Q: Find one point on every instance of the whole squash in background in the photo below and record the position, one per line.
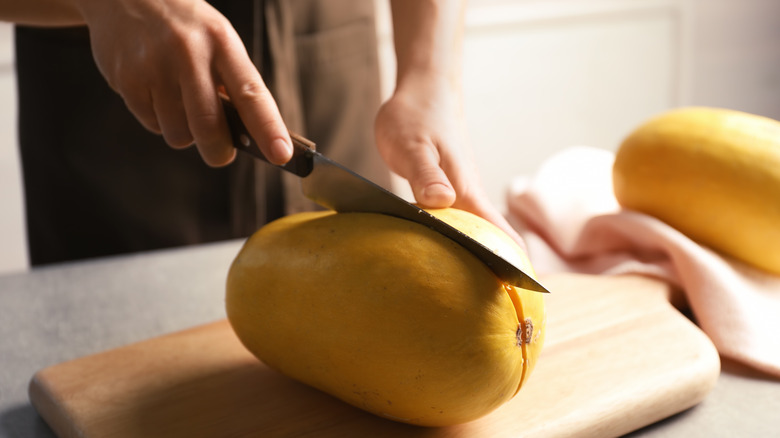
(387, 314)
(713, 174)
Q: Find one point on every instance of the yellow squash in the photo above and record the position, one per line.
(713, 174)
(386, 314)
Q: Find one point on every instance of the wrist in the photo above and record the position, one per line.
(428, 75)
(429, 87)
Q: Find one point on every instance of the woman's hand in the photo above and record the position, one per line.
(420, 130)
(167, 59)
(421, 135)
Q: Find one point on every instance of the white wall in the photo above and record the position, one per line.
(551, 75)
(735, 55)
(13, 252)
(541, 75)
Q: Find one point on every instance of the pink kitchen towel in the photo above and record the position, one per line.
(572, 223)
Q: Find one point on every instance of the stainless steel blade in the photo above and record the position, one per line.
(335, 187)
(338, 188)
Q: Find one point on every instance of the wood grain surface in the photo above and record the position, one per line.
(617, 357)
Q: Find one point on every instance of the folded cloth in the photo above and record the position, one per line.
(571, 221)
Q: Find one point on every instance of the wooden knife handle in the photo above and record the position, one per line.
(301, 162)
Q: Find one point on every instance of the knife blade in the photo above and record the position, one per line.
(335, 187)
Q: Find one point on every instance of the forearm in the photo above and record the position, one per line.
(428, 37)
(41, 12)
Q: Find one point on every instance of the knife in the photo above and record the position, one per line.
(335, 187)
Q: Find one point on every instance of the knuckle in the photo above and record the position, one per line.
(206, 126)
(427, 175)
(204, 121)
(219, 29)
(178, 139)
(253, 91)
(174, 38)
(176, 134)
(272, 127)
(123, 82)
(206, 132)
(216, 155)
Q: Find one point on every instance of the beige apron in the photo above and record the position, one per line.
(326, 81)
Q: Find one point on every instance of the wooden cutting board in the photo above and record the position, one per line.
(617, 357)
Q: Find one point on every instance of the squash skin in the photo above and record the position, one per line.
(713, 174)
(350, 304)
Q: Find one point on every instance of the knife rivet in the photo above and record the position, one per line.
(244, 139)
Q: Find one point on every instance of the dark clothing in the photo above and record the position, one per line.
(97, 183)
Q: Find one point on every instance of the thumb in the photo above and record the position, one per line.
(429, 183)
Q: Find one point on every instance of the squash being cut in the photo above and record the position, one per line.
(386, 314)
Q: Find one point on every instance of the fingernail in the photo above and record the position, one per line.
(438, 195)
(281, 150)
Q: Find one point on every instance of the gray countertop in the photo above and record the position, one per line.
(62, 312)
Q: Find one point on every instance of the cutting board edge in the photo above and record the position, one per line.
(45, 401)
(49, 403)
(702, 372)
